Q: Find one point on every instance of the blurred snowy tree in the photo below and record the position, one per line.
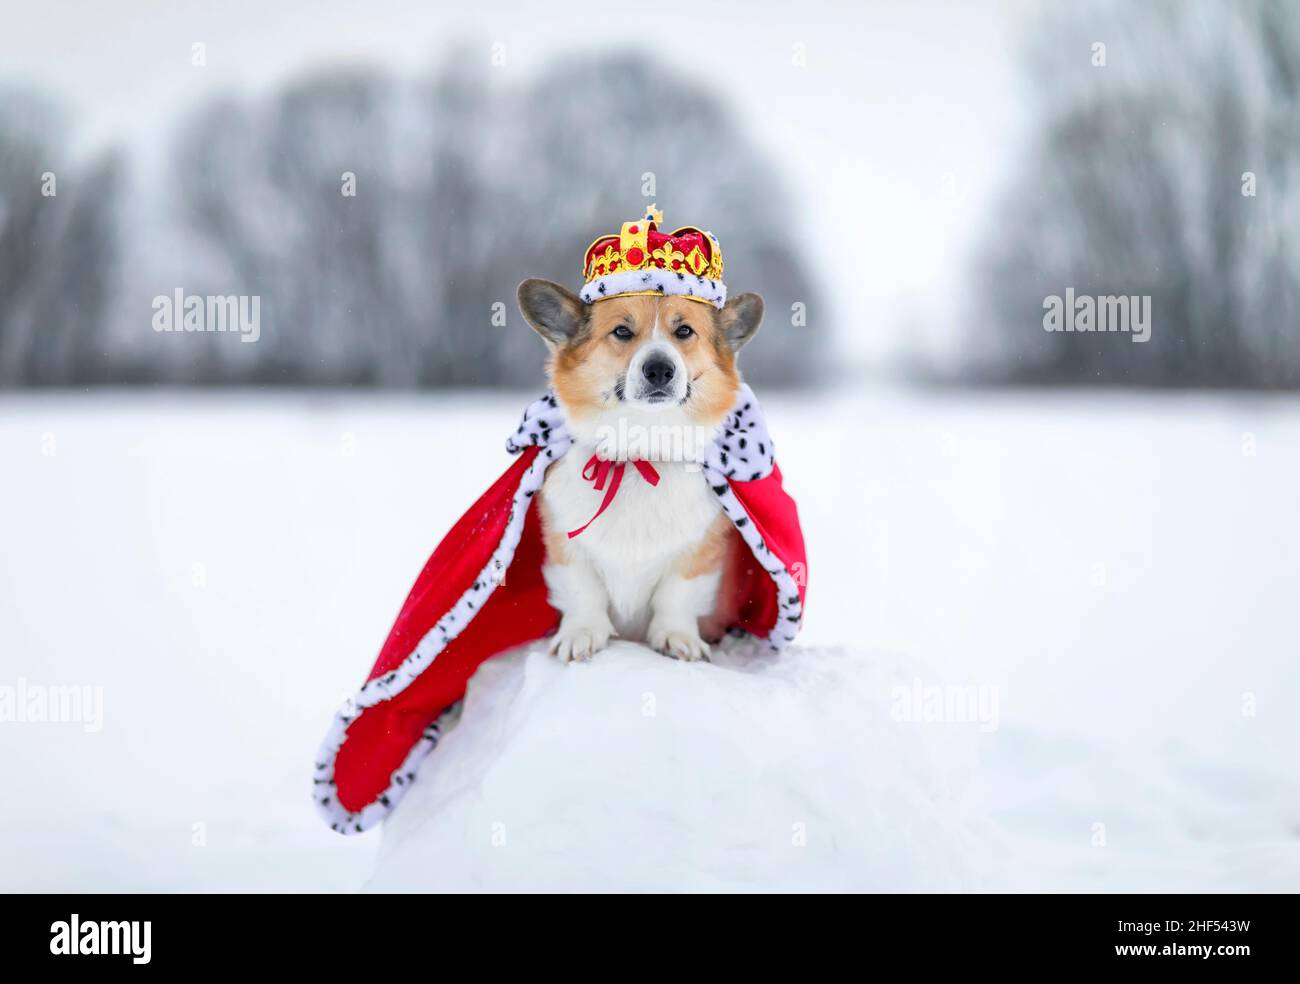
(58, 249)
(1171, 170)
(315, 202)
(462, 188)
(383, 224)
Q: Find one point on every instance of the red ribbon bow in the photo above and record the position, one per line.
(597, 471)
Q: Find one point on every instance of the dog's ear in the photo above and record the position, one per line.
(740, 319)
(551, 311)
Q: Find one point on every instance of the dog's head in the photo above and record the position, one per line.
(670, 359)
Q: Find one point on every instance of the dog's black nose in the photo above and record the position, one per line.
(658, 371)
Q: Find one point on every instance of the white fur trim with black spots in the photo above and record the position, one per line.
(656, 281)
(743, 451)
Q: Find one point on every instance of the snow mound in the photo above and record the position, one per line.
(637, 773)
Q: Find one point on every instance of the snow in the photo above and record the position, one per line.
(1113, 575)
(634, 772)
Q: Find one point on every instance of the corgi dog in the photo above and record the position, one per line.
(640, 379)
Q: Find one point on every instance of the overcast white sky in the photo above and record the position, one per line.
(892, 136)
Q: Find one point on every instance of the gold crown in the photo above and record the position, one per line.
(687, 261)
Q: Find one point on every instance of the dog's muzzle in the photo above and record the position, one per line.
(657, 372)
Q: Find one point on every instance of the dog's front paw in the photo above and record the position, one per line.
(580, 640)
(678, 642)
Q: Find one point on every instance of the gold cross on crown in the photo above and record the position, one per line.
(652, 214)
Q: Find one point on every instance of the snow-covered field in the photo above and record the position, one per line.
(1095, 596)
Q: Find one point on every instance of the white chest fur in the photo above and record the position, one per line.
(643, 533)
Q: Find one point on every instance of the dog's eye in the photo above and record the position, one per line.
(623, 332)
(684, 331)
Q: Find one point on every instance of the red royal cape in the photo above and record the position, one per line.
(482, 593)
